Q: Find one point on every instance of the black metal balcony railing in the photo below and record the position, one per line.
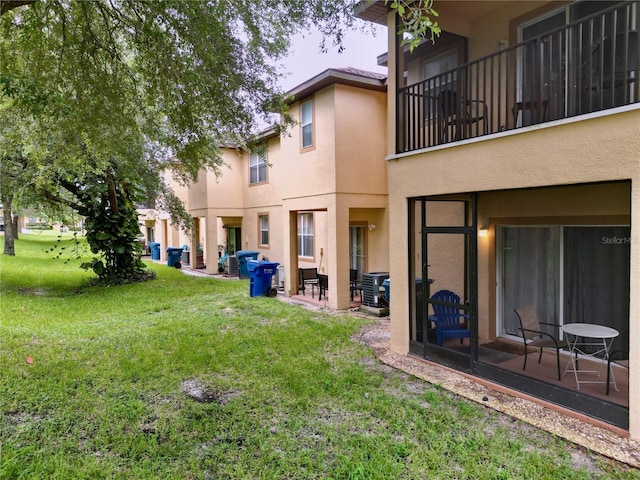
(583, 67)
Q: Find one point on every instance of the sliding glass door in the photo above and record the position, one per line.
(569, 274)
(357, 249)
(566, 72)
(596, 272)
(530, 274)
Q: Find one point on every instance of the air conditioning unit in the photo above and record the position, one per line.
(232, 266)
(372, 289)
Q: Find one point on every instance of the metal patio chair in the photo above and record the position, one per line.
(534, 336)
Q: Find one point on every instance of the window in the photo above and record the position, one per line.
(442, 63)
(305, 234)
(258, 166)
(263, 221)
(306, 123)
(434, 69)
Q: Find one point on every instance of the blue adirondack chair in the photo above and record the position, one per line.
(446, 319)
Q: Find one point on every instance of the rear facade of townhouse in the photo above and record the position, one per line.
(514, 162)
(314, 197)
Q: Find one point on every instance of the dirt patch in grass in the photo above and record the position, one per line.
(199, 392)
(37, 292)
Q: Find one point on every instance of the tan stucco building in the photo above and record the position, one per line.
(314, 197)
(498, 163)
(513, 159)
(157, 226)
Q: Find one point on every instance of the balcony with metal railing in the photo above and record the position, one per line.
(582, 67)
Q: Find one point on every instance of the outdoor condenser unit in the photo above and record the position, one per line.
(234, 268)
(372, 290)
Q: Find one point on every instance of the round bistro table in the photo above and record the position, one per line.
(602, 337)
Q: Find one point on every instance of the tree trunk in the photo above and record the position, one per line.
(16, 226)
(9, 234)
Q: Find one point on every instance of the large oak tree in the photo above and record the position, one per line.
(98, 97)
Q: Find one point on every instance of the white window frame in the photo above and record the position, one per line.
(258, 164)
(263, 226)
(305, 235)
(306, 123)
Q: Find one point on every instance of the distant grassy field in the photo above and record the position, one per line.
(189, 378)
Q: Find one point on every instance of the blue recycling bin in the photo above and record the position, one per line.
(260, 275)
(243, 256)
(174, 255)
(155, 250)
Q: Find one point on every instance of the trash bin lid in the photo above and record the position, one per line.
(265, 268)
(271, 264)
(252, 265)
(246, 253)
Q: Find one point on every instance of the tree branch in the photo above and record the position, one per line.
(7, 5)
(56, 199)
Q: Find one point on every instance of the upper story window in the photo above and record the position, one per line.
(306, 123)
(444, 62)
(443, 81)
(305, 234)
(263, 221)
(258, 166)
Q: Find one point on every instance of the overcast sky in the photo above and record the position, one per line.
(361, 50)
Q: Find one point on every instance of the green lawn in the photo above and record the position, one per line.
(93, 384)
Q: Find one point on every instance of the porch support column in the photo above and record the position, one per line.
(398, 268)
(290, 252)
(164, 228)
(338, 266)
(211, 242)
(193, 242)
(395, 58)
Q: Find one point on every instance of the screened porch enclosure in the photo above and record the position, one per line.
(444, 239)
(570, 268)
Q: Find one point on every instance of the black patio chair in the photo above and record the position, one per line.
(618, 357)
(534, 336)
(308, 276)
(354, 286)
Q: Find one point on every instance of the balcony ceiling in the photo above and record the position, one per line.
(450, 11)
(467, 9)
